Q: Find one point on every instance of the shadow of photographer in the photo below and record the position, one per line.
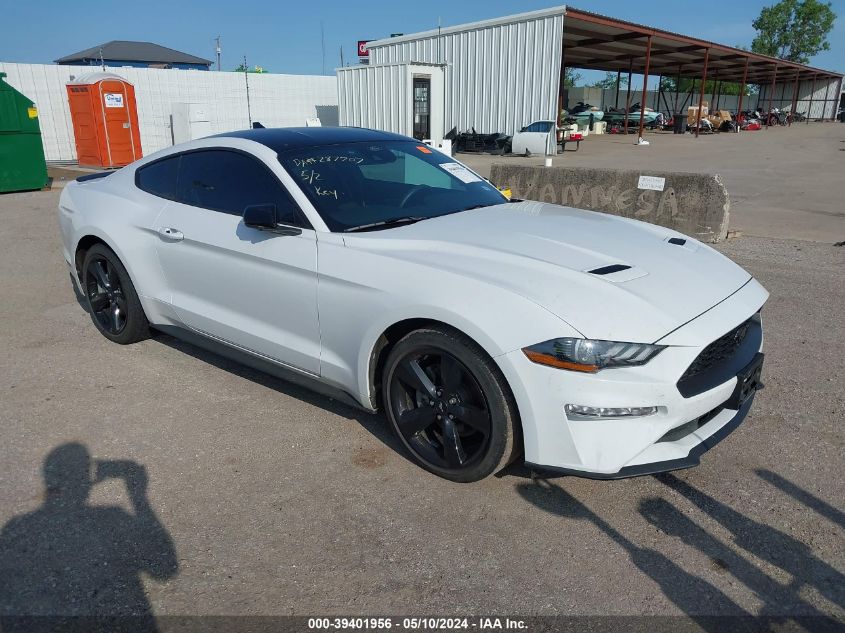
(696, 597)
(83, 562)
(763, 541)
(783, 607)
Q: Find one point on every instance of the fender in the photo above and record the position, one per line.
(552, 325)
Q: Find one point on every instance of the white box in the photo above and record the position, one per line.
(190, 121)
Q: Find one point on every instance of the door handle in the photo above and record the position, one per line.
(171, 234)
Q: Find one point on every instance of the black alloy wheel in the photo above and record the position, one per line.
(112, 301)
(105, 296)
(449, 405)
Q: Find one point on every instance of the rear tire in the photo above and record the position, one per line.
(111, 297)
(449, 405)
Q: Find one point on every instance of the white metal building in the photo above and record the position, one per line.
(497, 74)
(371, 88)
(501, 74)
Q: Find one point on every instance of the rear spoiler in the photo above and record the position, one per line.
(99, 174)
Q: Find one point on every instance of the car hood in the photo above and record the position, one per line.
(545, 252)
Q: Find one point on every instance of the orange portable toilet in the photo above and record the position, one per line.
(105, 120)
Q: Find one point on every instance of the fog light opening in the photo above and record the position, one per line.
(581, 412)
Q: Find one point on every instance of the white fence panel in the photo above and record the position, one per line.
(274, 100)
(824, 93)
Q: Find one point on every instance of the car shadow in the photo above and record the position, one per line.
(70, 565)
(375, 424)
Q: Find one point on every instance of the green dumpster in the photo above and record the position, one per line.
(22, 164)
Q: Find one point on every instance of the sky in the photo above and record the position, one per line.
(285, 36)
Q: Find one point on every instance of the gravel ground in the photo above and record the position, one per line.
(266, 499)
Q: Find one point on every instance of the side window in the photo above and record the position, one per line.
(229, 181)
(539, 126)
(159, 178)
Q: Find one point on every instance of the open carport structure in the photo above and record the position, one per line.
(500, 74)
(598, 42)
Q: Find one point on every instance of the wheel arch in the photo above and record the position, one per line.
(155, 310)
(392, 334)
(85, 243)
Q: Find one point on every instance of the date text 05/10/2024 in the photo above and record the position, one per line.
(415, 623)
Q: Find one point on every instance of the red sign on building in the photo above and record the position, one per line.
(362, 48)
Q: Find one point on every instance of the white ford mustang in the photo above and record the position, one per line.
(365, 264)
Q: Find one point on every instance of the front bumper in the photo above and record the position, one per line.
(675, 437)
(693, 458)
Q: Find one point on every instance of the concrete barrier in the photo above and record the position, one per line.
(697, 205)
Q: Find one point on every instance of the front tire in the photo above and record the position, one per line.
(111, 298)
(449, 405)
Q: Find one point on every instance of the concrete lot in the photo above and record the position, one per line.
(779, 179)
(266, 499)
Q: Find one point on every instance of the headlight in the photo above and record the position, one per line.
(586, 355)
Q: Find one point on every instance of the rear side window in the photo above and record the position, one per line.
(539, 126)
(159, 178)
(229, 181)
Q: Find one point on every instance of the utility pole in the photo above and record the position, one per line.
(439, 53)
(323, 45)
(218, 50)
(246, 81)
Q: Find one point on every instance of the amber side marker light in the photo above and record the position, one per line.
(554, 361)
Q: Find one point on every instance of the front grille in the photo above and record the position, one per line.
(723, 358)
(718, 351)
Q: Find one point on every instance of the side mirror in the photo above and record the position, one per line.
(264, 218)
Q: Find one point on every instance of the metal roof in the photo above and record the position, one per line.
(602, 43)
(125, 51)
(599, 42)
(281, 139)
(471, 26)
(94, 77)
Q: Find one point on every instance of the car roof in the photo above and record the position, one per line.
(284, 138)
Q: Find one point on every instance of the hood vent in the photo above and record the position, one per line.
(682, 242)
(606, 270)
(617, 273)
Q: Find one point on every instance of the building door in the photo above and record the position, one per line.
(422, 108)
(117, 122)
(84, 126)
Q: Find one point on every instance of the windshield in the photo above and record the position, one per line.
(369, 185)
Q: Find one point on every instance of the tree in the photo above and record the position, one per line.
(609, 81)
(570, 78)
(257, 69)
(794, 30)
(670, 84)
